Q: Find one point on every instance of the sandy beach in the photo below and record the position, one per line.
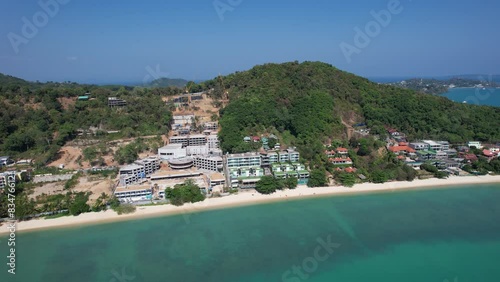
(242, 199)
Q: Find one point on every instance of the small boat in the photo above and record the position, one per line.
(464, 102)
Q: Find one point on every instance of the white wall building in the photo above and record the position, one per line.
(213, 141)
(243, 160)
(197, 150)
(476, 144)
(172, 151)
(150, 164)
(182, 119)
(211, 163)
(189, 140)
(419, 146)
(134, 192)
(433, 145)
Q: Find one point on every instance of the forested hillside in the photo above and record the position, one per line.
(38, 118)
(307, 102)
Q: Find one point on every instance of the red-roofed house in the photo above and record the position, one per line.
(342, 151)
(402, 150)
(488, 153)
(255, 138)
(330, 154)
(340, 161)
(350, 169)
(471, 158)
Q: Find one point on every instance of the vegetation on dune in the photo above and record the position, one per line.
(187, 192)
(125, 209)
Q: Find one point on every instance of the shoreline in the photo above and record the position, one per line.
(244, 199)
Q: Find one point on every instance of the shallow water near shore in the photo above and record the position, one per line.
(430, 235)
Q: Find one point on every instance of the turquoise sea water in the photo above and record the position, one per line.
(476, 96)
(428, 235)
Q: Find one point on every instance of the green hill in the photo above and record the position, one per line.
(307, 102)
(165, 82)
(8, 79)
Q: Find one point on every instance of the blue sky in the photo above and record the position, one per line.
(102, 41)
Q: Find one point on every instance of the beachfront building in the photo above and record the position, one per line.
(243, 160)
(425, 155)
(172, 175)
(182, 163)
(151, 164)
(414, 164)
(131, 174)
(133, 193)
(165, 179)
(216, 179)
(138, 171)
(172, 151)
(245, 177)
(210, 163)
(268, 158)
(133, 169)
(287, 170)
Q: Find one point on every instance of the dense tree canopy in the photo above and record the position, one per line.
(310, 99)
(38, 118)
(187, 192)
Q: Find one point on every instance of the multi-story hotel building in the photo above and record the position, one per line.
(243, 160)
(211, 163)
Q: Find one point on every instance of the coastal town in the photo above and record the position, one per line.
(192, 152)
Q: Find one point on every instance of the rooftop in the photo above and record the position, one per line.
(212, 158)
(130, 167)
(216, 176)
(132, 188)
(431, 142)
(181, 161)
(171, 146)
(175, 173)
(250, 154)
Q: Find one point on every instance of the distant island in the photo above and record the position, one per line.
(165, 82)
(440, 86)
